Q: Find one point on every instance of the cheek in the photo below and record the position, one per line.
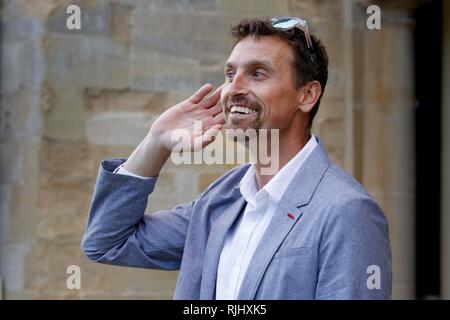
(280, 107)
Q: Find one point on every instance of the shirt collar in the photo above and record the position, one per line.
(248, 185)
(276, 187)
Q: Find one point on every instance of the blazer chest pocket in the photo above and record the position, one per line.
(291, 252)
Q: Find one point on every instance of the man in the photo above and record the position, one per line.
(308, 231)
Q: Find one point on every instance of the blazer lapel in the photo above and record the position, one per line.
(289, 211)
(214, 246)
(278, 229)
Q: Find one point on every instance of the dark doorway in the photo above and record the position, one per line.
(428, 58)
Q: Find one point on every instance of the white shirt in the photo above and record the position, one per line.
(242, 240)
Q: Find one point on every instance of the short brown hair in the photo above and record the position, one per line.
(309, 63)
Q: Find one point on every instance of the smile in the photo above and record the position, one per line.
(241, 110)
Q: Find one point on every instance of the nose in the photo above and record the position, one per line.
(238, 86)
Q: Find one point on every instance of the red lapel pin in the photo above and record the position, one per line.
(290, 216)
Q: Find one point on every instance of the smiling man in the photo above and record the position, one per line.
(307, 231)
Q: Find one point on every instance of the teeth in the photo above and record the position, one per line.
(240, 109)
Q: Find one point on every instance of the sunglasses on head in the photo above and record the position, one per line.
(288, 23)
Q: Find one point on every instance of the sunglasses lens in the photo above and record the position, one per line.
(289, 23)
(285, 24)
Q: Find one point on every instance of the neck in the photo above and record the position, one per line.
(289, 146)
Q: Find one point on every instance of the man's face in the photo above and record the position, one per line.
(259, 90)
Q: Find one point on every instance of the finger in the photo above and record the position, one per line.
(209, 122)
(201, 93)
(213, 98)
(219, 118)
(215, 110)
(207, 137)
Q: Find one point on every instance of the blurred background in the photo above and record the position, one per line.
(70, 98)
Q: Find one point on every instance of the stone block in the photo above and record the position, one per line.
(317, 12)
(206, 179)
(5, 212)
(183, 6)
(41, 9)
(255, 8)
(22, 64)
(99, 18)
(331, 131)
(63, 114)
(81, 61)
(390, 83)
(162, 72)
(13, 265)
(97, 153)
(122, 23)
(10, 168)
(21, 28)
(118, 129)
(182, 35)
(20, 119)
(165, 195)
(23, 214)
(105, 100)
(63, 211)
(213, 74)
(46, 266)
(64, 163)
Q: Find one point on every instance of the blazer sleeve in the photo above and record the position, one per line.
(119, 233)
(355, 253)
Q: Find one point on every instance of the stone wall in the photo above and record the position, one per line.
(72, 98)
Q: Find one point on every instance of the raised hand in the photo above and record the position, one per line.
(198, 107)
(151, 154)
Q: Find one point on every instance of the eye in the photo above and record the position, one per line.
(258, 74)
(229, 74)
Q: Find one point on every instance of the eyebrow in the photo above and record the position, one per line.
(252, 63)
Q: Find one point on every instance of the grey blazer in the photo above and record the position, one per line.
(336, 247)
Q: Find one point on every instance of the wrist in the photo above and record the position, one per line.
(154, 144)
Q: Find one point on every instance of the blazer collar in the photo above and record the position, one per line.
(306, 180)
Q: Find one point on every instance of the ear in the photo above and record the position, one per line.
(308, 96)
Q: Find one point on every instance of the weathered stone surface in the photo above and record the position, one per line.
(181, 35)
(331, 131)
(13, 264)
(264, 8)
(40, 9)
(86, 61)
(10, 168)
(162, 72)
(95, 18)
(22, 59)
(183, 6)
(63, 115)
(99, 100)
(64, 163)
(386, 91)
(62, 212)
(206, 179)
(5, 209)
(47, 263)
(317, 12)
(23, 213)
(213, 74)
(99, 18)
(122, 129)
